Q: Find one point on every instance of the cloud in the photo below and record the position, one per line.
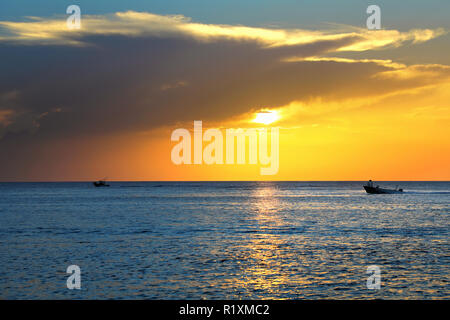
(5, 116)
(382, 62)
(134, 71)
(430, 72)
(7, 104)
(51, 31)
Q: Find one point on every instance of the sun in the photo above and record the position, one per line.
(266, 117)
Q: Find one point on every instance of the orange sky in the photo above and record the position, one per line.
(98, 114)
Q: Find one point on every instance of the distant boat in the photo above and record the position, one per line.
(100, 183)
(377, 190)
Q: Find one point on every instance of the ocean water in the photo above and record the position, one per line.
(224, 240)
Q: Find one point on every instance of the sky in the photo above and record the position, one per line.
(103, 101)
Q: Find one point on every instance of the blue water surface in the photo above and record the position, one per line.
(224, 240)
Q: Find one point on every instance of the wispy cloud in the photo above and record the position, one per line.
(54, 31)
(382, 62)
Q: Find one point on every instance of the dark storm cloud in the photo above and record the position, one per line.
(124, 84)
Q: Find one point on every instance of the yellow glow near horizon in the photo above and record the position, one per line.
(266, 117)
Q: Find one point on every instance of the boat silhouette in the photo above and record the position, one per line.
(100, 183)
(370, 188)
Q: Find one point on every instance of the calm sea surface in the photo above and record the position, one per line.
(221, 240)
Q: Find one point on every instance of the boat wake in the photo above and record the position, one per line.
(427, 192)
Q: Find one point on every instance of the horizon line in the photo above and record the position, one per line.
(90, 181)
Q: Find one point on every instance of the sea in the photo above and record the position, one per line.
(224, 240)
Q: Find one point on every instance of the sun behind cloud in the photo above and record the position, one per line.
(266, 117)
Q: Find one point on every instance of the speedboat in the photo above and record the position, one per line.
(377, 190)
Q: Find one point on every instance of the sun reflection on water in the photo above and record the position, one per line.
(269, 259)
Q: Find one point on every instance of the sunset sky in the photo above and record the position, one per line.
(102, 101)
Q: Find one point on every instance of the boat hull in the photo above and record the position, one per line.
(378, 190)
(100, 184)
